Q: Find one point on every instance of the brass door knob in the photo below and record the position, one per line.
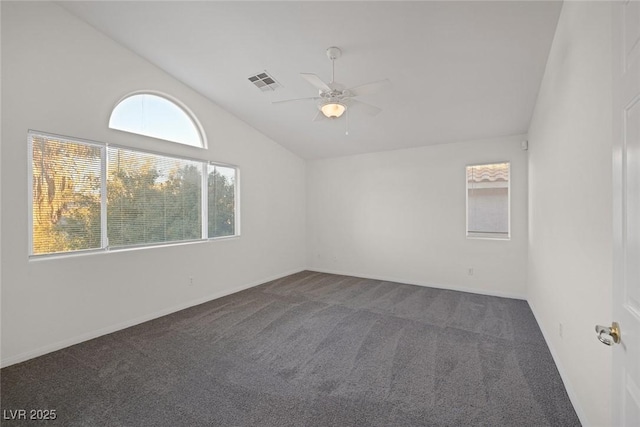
(609, 335)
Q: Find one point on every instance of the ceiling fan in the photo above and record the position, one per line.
(333, 98)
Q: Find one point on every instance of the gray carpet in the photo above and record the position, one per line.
(310, 349)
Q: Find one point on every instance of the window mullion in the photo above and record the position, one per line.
(204, 200)
(104, 237)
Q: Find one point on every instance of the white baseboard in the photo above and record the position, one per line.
(582, 415)
(512, 295)
(132, 322)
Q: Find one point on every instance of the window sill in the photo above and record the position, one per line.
(488, 236)
(88, 252)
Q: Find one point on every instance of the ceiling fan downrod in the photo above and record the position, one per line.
(333, 53)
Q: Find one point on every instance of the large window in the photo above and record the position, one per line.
(92, 196)
(488, 201)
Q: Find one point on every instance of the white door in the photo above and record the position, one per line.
(626, 211)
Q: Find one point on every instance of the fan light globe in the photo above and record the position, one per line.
(333, 110)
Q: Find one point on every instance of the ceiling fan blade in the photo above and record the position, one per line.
(316, 82)
(371, 110)
(372, 87)
(319, 116)
(295, 99)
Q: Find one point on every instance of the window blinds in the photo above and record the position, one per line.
(90, 196)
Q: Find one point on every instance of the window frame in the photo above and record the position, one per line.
(104, 241)
(194, 120)
(487, 235)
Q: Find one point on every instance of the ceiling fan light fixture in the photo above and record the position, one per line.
(333, 110)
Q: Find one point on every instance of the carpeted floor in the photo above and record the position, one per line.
(311, 349)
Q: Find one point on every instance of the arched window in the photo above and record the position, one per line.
(159, 117)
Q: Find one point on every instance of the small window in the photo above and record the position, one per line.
(488, 201)
(158, 117)
(222, 201)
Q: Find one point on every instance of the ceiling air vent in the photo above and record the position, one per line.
(264, 82)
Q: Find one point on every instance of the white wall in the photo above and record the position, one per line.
(570, 202)
(61, 76)
(400, 215)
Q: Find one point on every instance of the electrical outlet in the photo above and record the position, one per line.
(190, 281)
(470, 271)
(560, 329)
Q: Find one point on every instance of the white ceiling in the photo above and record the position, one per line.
(459, 70)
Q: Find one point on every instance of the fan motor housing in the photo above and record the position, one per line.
(334, 53)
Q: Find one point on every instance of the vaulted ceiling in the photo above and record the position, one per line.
(458, 70)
